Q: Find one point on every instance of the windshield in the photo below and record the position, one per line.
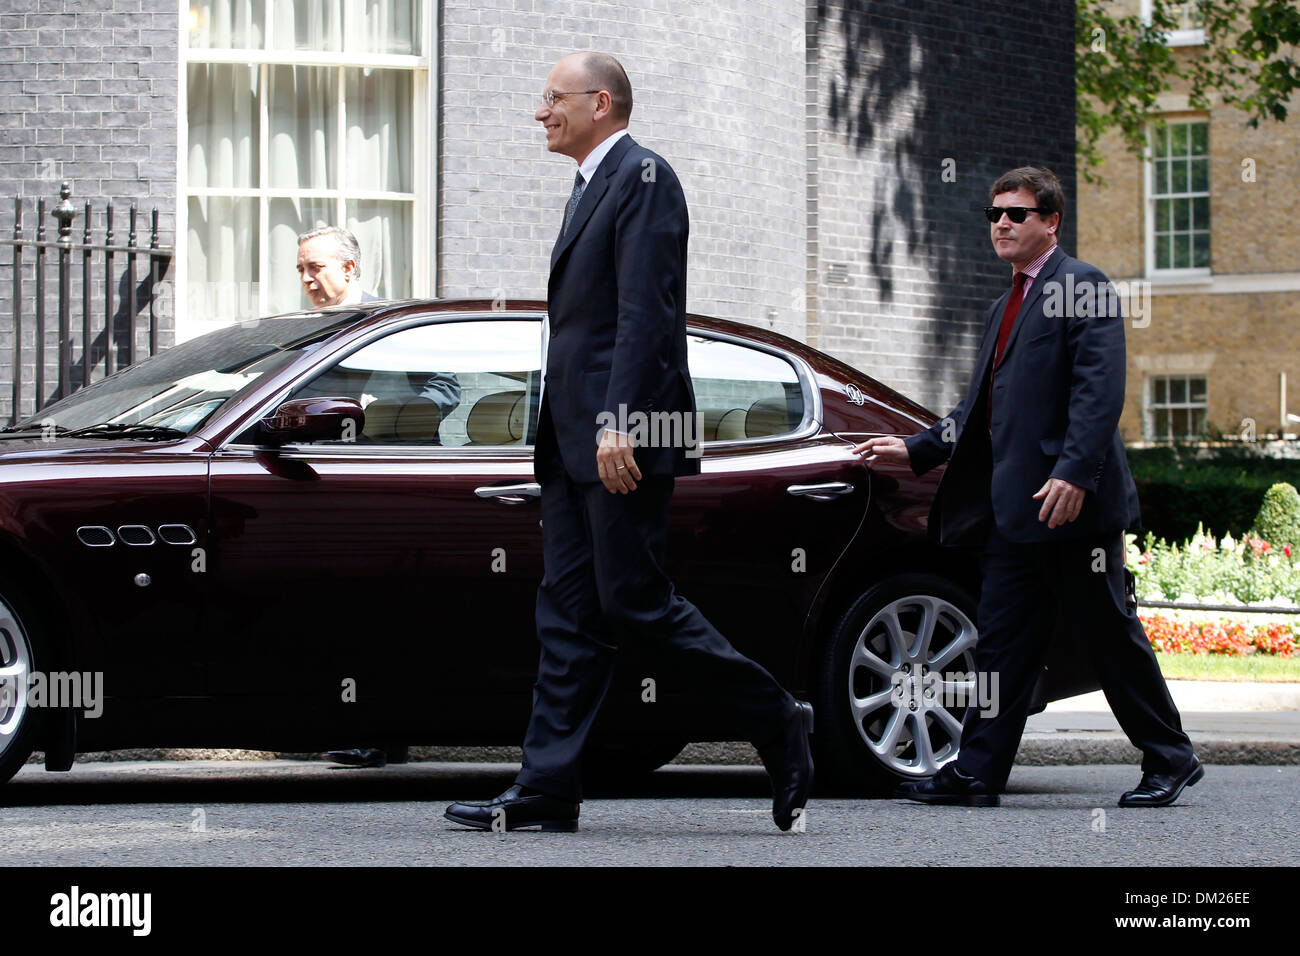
(183, 386)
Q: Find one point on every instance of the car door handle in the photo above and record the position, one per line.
(823, 491)
(511, 494)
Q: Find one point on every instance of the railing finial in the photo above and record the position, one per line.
(65, 212)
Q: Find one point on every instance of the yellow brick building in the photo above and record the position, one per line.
(1205, 234)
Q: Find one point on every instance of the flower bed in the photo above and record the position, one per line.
(1203, 570)
(1228, 637)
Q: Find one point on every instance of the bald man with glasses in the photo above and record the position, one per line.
(616, 302)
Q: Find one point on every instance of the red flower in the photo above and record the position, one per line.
(1229, 638)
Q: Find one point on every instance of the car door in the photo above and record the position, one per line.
(128, 521)
(388, 579)
(755, 534)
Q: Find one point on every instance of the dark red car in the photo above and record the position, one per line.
(321, 530)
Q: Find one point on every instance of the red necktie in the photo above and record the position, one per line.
(1004, 331)
(1009, 315)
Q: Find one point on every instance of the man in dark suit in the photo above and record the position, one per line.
(1037, 477)
(617, 350)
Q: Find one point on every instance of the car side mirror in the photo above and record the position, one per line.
(313, 419)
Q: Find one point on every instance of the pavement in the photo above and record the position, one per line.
(1228, 722)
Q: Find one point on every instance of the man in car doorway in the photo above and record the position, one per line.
(329, 266)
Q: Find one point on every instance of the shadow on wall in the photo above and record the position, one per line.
(947, 95)
(99, 344)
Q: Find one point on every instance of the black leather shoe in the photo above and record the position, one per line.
(1162, 789)
(950, 787)
(360, 757)
(516, 809)
(789, 764)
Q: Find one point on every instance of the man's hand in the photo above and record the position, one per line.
(1062, 502)
(886, 448)
(615, 463)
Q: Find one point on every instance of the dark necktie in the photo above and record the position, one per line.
(579, 184)
(1009, 315)
(1004, 331)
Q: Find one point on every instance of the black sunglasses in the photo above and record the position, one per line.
(1017, 213)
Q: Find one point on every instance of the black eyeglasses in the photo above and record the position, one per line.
(1017, 213)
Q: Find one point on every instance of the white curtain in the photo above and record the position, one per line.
(226, 24)
(383, 26)
(357, 26)
(302, 146)
(222, 231)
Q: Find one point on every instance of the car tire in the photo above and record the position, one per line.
(619, 763)
(21, 654)
(881, 719)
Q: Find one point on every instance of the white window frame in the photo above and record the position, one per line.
(424, 208)
(1198, 273)
(1149, 405)
(1191, 36)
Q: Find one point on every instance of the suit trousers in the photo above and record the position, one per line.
(604, 582)
(1024, 587)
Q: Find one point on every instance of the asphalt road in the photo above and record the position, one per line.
(278, 813)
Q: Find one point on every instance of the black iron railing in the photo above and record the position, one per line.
(101, 344)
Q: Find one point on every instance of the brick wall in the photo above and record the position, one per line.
(1235, 327)
(88, 96)
(1240, 342)
(1110, 216)
(718, 92)
(812, 139)
(905, 93)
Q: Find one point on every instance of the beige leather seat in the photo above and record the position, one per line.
(731, 425)
(407, 422)
(768, 416)
(497, 419)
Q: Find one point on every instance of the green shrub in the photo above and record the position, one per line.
(1179, 488)
(1278, 521)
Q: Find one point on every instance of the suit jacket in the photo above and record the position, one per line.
(616, 303)
(1057, 397)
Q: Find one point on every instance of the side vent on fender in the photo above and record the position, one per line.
(95, 536)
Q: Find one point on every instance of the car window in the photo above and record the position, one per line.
(448, 384)
(743, 392)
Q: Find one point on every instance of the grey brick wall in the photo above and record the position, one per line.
(905, 91)
(811, 137)
(88, 96)
(718, 90)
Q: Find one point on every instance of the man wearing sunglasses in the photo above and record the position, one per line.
(1037, 479)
